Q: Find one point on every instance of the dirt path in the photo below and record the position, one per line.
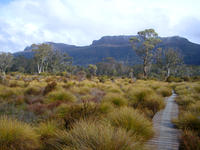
(166, 136)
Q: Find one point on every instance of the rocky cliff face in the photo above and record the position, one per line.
(119, 48)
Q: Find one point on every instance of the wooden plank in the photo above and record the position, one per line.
(166, 136)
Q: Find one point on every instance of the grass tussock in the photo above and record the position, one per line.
(100, 136)
(60, 95)
(133, 121)
(164, 91)
(145, 98)
(51, 137)
(75, 112)
(32, 90)
(115, 99)
(16, 135)
(7, 93)
(188, 121)
(99, 113)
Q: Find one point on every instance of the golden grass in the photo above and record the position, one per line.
(116, 99)
(144, 97)
(60, 95)
(51, 137)
(16, 135)
(97, 135)
(133, 121)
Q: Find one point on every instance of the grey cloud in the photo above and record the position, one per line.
(79, 22)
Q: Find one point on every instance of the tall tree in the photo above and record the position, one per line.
(5, 61)
(42, 54)
(59, 62)
(144, 46)
(168, 59)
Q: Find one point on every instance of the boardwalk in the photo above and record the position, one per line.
(166, 136)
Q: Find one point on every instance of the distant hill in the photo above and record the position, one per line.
(119, 48)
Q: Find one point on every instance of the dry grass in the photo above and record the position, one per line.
(99, 136)
(144, 97)
(16, 135)
(51, 137)
(188, 121)
(133, 121)
(164, 91)
(60, 95)
(115, 99)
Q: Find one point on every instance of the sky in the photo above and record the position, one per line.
(79, 22)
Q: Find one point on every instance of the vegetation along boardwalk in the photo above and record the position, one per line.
(166, 136)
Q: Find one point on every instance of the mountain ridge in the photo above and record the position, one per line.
(120, 48)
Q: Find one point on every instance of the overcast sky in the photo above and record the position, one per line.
(79, 22)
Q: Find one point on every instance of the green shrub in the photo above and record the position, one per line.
(90, 135)
(16, 135)
(132, 121)
(60, 95)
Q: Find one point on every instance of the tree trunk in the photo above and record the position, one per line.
(168, 72)
(39, 69)
(145, 71)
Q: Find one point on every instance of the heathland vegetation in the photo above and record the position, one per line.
(46, 103)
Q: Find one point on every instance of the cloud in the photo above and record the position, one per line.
(23, 22)
(189, 27)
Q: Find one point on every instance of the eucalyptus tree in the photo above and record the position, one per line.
(42, 56)
(168, 59)
(144, 45)
(5, 61)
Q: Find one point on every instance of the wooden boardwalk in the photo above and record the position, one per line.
(166, 136)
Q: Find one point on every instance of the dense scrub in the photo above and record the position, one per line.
(57, 112)
(189, 122)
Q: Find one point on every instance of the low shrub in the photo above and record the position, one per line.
(131, 120)
(37, 108)
(50, 87)
(16, 135)
(189, 141)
